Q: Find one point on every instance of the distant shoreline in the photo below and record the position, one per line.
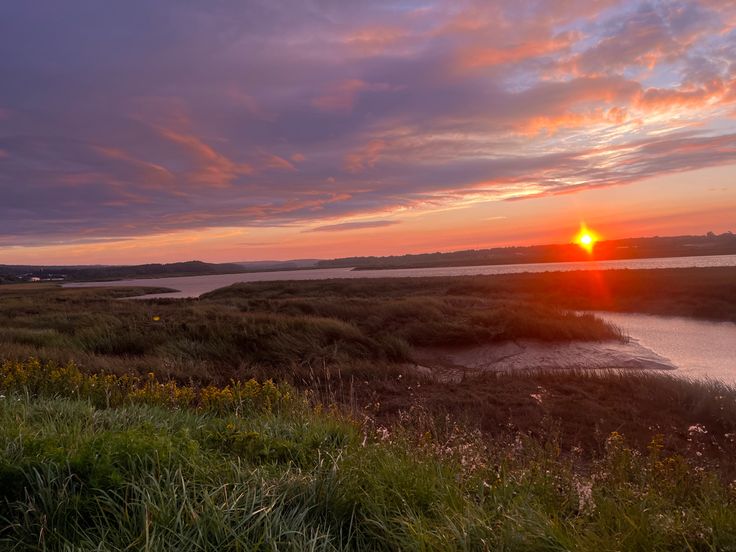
(385, 267)
(630, 249)
(504, 262)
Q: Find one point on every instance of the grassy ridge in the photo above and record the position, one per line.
(96, 273)
(155, 475)
(245, 333)
(630, 248)
(707, 293)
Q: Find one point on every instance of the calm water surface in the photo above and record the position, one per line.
(194, 286)
(698, 348)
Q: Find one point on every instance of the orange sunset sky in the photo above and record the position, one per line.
(163, 131)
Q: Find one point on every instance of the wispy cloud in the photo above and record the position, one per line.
(166, 116)
(358, 225)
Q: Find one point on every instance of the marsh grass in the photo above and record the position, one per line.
(706, 293)
(369, 455)
(152, 477)
(264, 332)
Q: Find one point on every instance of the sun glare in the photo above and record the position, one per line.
(586, 238)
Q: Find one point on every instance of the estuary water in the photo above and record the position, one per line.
(698, 348)
(194, 286)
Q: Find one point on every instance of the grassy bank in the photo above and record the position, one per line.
(146, 473)
(292, 330)
(283, 331)
(706, 293)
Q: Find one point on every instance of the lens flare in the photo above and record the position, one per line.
(586, 238)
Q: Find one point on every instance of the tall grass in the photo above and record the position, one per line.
(147, 477)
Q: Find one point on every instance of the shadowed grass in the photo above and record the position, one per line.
(708, 293)
(151, 478)
(695, 418)
(268, 333)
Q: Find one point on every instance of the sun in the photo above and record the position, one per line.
(586, 238)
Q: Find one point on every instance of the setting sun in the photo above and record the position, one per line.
(586, 238)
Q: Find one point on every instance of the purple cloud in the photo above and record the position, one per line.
(142, 118)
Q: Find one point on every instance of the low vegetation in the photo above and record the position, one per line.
(705, 293)
(286, 331)
(79, 472)
(288, 416)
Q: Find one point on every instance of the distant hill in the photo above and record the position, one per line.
(9, 273)
(264, 266)
(630, 248)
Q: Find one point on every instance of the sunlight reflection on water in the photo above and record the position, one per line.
(698, 348)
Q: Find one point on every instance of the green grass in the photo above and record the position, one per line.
(100, 455)
(145, 477)
(161, 466)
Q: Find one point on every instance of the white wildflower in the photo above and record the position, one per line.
(383, 433)
(585, 495)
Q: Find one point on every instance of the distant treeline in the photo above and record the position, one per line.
(10, 273)
(630, 248)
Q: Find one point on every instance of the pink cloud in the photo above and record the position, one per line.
(373, 40)
(211, 168)
(343, 95)
(272, 161)
(358, 225)
(489, 56)
(251, 105)
(153, 171)
(716, 91)
(364, 157)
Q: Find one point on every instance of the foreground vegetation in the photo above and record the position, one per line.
(273, 471)
(288, 416)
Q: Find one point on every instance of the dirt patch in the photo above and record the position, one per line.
(456, 363)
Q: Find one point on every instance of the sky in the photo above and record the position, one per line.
(234, 130)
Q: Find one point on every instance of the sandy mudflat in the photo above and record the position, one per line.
(528, 354)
